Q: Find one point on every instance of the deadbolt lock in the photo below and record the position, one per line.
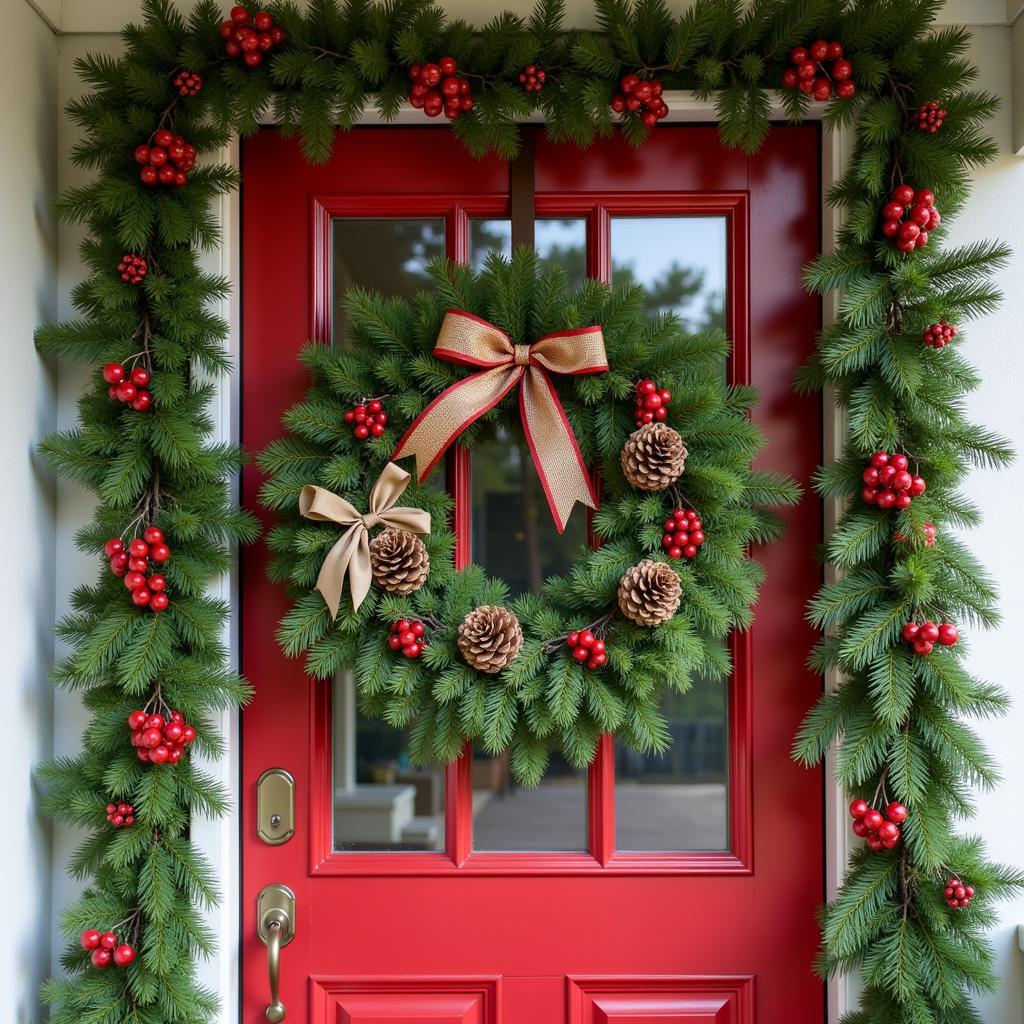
(275, 806)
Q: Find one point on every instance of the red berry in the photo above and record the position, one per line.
(263, 22)
(159, 602)
(888, 830)
(819, 50)
(873, 819)
(108, 940)
(447, 66)
(153, 535)
(948, 634)
(807, 71)
(136, 720)
(90, 939)
(124, 955)
(896, 812)
(101, 958)
(858, 808)
(159, 552)
(842, 70)
(860, 829)
(239, 15)
(587, 638)
(798, 55)
(822, 89)
(361, 432)
(159, 754)
(790, 78)
(910, 631)
(580, 653)
(923, 647)
(903, 194)
(929, 631)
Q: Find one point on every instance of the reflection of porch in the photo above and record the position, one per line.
(660, 813)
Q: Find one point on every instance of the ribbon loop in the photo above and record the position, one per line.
(350, 555)
(468, 340)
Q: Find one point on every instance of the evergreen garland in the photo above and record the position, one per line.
(898, 718)
(545, 699)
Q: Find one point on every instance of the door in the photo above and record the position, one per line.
(678, 889)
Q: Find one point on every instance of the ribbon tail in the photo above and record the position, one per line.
(556, 454)
(331, 580)
(448, 415)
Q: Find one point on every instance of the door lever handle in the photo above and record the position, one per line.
(275, 920)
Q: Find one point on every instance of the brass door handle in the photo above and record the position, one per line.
(275, 910)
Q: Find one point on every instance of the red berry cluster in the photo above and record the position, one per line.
(929, 117)
(880, 832)
(367, 419)
(587, 648)
(651, 402)
(940, 334)
(922, 636)
(120, 815)
(921, 217)
(157, 739)
(641, 96)
(437, 87)
(408, 636)
(107, 949)
(888, 482)
(167, 161)
(958, 896)
(929, 532)
(532, 78)
(810, 75)
(250, 37)
(133, 268)
(129, 388)
(684, 534)
(188, 83)
(133, 565)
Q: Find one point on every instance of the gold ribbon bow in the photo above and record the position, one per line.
(470, 341)
(351, 554)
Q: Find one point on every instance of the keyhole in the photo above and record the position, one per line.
(275, 821)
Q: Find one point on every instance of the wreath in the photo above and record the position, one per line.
(584, 379)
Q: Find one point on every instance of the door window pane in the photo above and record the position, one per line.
(507, 817)
(381, 800)
(514, 539)
(680, 261)
(386, 255)
(678, 800)
(560, 240)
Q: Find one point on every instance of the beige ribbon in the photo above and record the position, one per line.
(351, 554)
(468, 340)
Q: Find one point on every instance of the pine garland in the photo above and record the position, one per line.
(898, 718)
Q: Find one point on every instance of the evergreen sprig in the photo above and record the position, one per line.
(899, 721)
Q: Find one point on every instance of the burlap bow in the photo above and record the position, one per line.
(351, 554)
(469, 341)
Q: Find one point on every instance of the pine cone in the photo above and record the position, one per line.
(490, 638)
(649, 593)
(399, 561)
(653, 457)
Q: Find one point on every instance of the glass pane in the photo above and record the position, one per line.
(507, 817)
(678, 800)
(381, 801)
(389, 256)
(681, 261)
(562, 241)
(514, 536)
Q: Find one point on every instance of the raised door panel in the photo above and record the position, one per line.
(661, 1000)
(405, 1000)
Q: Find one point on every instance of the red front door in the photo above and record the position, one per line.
(673, 889)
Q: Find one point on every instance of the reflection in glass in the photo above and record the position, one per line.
(514, 536)
(507, 817)
(680, 261)
(389, 256)
(678, 800)
(561, 241)
(381, 801)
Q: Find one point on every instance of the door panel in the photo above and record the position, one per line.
(645, 888)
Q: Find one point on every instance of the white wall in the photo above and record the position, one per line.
(993, 345)
(998, 210)
(28, 294)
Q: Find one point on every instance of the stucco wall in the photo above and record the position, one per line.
(28, 295)
(997, 211)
